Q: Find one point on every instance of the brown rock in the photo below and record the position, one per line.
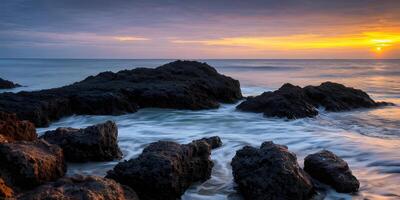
(5, 191)
(12, 129)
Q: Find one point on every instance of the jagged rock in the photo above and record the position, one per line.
(94, 143)
(213, 141)
(165, 170)
(5, 84)
(270, 172)
(81, 188)
(330, 169)
(5, 191)
(295, 102)
(180, 84)
(288, 101)
(24, 165)
(12, 129)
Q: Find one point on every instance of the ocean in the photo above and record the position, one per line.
(368, 139)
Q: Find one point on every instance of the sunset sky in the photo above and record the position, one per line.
(200, 29)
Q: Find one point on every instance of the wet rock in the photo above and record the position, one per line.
(12, 129)
(5, 191)
(288, 101)
(295, 102)
(24, 165)
(213, 141)
(330, 169)
(81, 188)
(270, 172)
(180, 85)
(94, 143)
(165, 170)
(5, 84)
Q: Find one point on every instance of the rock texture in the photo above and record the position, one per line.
(81, 188)
(94, 143)
(270, 172)
(5, 191)
(12, 129)
(165, 170)
(328, 168)
(295, 102)
(28, 164)
(180, 85)
(5, 84)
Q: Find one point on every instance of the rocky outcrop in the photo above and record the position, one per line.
(24, 165)
(180, 85)
(81, 188)
(12, 129)
(94, 143)
(165, 170)
(330, 169)
(288, 101)
(5, 191)
(5, 84)
(213, 141)
(270, 172)
(295, 102)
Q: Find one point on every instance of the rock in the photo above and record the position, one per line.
(337, 97)
(12, 129)
(270, 172)
(5, 191)
(94, 143)
(81, 188)
(180, 85)
(328, 168)
(288, 101)
(24, 165)
(295, 102)
(213, 141)
(165, 170)
(5, 84)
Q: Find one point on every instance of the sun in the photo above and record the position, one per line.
(378, 48)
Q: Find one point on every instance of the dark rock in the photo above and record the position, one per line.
(5, 84)
(12, 129)
(213, 141)
(288, 101)
(81, 188)
(5, 191)
(337, 97)
(24, 165)
(180, 84)
(94, 143)
(270, 172)
(331, 170)
(165, 170)
(295, 102)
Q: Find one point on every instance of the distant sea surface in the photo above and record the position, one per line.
(368, 139)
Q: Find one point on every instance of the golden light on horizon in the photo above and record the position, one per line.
(130, 38)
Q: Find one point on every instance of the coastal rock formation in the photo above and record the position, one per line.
(180, 84)
(5, 84)
(295, 102)
(28, 164)
(81, 188)
(5, 191)
(12, 129)
(213, 141)
(94, 143)
(328, 168)
(270, 172)
(165, 170)
(288, 101)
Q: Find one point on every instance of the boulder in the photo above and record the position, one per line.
(81, 187)
(24, 165)
(5, 191)
(330, 169)
(12, 129)
(94, 143)
(5, 84)
(294, 102)
(213, 141)
(165, 170)
(288, 101)
(270, 172)
(180, 85)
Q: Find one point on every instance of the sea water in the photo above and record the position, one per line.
(368, 139)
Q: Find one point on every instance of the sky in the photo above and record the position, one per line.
(271, 29)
